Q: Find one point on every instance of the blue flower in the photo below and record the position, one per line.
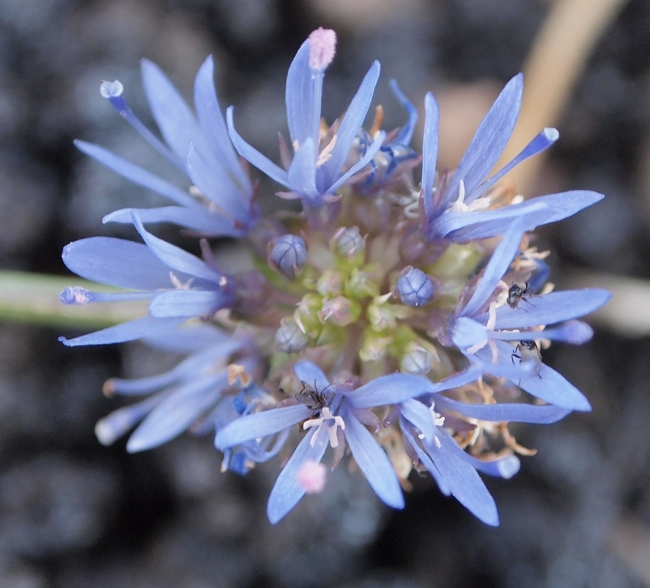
(180, 398)
(459, 208)
(220, 202)
(315, 172)
(179, 285)
(485, 324)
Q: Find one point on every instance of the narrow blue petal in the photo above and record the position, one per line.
(419, 415)
(261, 424)
(190, 338)
(213, 124)
(188, 303)
(302, 173)
(177, 412)
(488, 142)
(203, 221)
(566, 204)
(406, 132)
(116, 262)
(215, 182)
(465, 484)
(574, 332)
(498, 413)
(351, 123)
(540, 143)
(175, 257)
(374, 463)
(359, 165)
(496, 268)
(426, 460)
(549, 309)
(257, 453)
(173, 116)
(308, 372)
(287, 492)
(429, 154)
(303, 96)
(251, 154)
(136, 174)
(390, 389)
(466, 332)
(128, 331)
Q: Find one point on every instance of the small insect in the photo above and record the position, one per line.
(528, 352)
(311, 397)
(517, 293)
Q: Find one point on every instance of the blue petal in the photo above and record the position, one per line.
(137, 175)
(188, 303)
(308, 372)
(390, 389)
(498, 413)
(426, 460)
(116, 262)
(488, 142)
(303, 95)
(177, 412)
(464, 482)
(496, 268)
(550, 308)
(429, 154)
(566, 204)
(302, 173)
(175, 257)
(213, 125)
(350, 125)
(128, 331)
(359, 165)
(253, 155)
(406, 132)
(374, 463)
(287, 492)
(173, 116)
(260, 424)
(419, 415)
(190, 338)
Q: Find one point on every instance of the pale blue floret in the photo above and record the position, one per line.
(314, 176)
(487, 347)
(453, 211)
(179, 285)
(199, 147)
(175, 399)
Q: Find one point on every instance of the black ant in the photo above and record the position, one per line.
(311, 397)
(528, 352)
(517, 293)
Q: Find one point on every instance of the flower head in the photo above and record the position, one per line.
(381, 319)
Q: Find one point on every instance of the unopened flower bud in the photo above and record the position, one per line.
(349, 242)
(414, 287)
(289, 337)
(288, 255)
(418, 360)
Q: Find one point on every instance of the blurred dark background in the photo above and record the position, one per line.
(76, 514)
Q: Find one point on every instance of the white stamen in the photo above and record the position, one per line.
(326, 153)
(321, 422)
(111, 89)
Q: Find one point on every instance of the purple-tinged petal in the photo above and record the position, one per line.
(251, 154)
(429, 154)
(302, 172)
(541, 142)
(406, 132)
(519, 413)
(128, 331)
(359, 165)
(496, 268)
(177, 412)
(260, 424)
(425, 459)
(488, 142)
(390, 389)
(202, 221)
(465, 484)
(116, 262)
(303, 96)
(137, 175)
(173, 116)
(175, 257)
(308, 372)
(350, 125)
(188, 303)
(213, 125)
(550, 308)
(287, 492)
(374, 463)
